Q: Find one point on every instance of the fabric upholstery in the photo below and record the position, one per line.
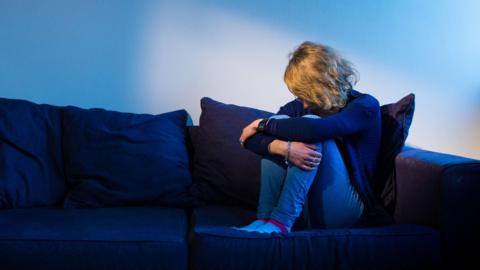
(124, 159)
(31, 161)
(436, 191)
(205, 192)
(420, 181)
(388, 247)
(229, 176)
(460, 217)
(94, 238)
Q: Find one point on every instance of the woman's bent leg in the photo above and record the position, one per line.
(333, 202)
(272, 177)
(271, 182)
(294, 193)
(292, 199)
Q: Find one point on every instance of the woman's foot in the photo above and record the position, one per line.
(272, 226)
(252, 226)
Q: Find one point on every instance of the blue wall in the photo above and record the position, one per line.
(155, 56)
(68, 52)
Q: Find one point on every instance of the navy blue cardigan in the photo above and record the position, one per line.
(356, 129)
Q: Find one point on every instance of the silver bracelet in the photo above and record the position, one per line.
(287, 156)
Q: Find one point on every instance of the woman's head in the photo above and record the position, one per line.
(320, 77)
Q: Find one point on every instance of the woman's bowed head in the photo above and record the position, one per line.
(319, 78)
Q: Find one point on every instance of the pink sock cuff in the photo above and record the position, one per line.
(263, 219)
(278, 224)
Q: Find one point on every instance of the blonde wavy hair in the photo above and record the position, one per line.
(320, 77)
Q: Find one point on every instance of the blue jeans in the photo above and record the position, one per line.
(331, 200)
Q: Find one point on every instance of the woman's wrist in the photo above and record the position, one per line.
(278, 147)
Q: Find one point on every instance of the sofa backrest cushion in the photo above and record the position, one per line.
(115, 159)
(224, 172)
(396, 120)
(31, 164)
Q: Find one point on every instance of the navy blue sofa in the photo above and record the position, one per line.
(58, 210)
(437, 215)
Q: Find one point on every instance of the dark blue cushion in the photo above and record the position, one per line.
(224, 172)
(31, 163)
(124, 159)
(396, 120)
(102, 238)
(217, 246)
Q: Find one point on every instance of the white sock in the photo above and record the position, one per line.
(268, 228)
(252, 226)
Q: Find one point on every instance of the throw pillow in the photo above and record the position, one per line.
(31, 165)
(115, 159)
(224, 172)
(396, 120)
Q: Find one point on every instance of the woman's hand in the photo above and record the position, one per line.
(249, 131)
(304, 155)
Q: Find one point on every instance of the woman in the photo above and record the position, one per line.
(323, 144)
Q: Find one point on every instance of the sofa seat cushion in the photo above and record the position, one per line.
(99, 238)
(217, 246)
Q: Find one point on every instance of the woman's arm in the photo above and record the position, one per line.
(357, 116)
(305, 156)
(259, 142)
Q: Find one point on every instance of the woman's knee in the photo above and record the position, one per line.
(279, 116)
(311, 116)
(282, 116)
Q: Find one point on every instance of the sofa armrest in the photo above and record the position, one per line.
(442, 191)
(431, 185)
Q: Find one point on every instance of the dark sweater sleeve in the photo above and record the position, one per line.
(357, 116)
(259, 142)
